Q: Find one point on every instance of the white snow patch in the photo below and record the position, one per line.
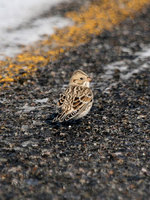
(21, 23)
(27, 108)
(126, 69)
(41, 100)
(145, 53)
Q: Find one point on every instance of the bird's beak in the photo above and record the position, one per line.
(89, 79)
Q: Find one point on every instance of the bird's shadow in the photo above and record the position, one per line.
(50, 122)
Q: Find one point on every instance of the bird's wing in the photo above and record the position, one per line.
(74, 100)
(83, 97)
(61, 100)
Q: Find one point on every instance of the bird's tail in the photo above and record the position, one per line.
(60, 117)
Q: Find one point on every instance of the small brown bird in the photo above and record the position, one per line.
(77, 99)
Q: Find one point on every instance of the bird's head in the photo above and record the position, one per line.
(80, 78)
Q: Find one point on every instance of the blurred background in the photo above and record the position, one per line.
(23, 22)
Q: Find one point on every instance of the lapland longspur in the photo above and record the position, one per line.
(77, 99)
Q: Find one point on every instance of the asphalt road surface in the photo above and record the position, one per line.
(106, 155)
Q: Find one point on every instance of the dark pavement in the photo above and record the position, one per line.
(106, 155)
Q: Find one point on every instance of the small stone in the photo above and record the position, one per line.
(111, 172)
(24, 127)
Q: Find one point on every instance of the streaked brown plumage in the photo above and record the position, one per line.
(77, 99)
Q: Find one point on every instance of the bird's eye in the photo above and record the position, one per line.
(81, 78)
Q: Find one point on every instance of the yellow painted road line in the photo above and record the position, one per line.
(99, 16)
